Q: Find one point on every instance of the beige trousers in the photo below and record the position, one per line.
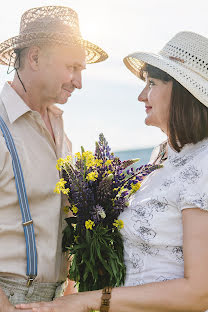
(17, 291)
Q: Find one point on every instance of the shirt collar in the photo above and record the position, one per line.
(57, 112)
(13, 103)
(16, 107)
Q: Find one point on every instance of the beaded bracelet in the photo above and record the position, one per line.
(105, 299)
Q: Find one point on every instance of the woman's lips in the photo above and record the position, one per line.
(148, 108)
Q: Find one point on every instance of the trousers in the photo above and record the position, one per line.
(17, 291)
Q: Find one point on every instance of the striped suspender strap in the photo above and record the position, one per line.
(24, 206)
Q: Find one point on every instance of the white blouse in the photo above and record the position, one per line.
(153, 232)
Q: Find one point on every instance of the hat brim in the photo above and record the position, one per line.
(188, 78)
(94, 53)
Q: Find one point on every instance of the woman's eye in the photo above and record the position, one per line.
(151, 83)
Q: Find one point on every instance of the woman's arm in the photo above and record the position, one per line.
(186, 294)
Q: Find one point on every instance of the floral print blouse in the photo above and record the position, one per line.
(153, 232)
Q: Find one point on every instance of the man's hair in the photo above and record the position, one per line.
(188, 117)
(20, 55)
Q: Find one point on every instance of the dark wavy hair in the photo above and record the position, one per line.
(188, 117)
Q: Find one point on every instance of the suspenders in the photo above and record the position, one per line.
(27, 221)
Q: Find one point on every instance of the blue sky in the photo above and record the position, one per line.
(108, 100)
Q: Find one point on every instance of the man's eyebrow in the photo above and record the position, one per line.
(80, 65)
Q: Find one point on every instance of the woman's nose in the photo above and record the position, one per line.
(143, 96)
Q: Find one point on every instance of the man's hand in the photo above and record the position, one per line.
(6, 306)
(79, 302)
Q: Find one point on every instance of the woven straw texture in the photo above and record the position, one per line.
(50, 25)
(184, 57)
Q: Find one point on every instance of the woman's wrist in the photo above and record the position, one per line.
(93, 300)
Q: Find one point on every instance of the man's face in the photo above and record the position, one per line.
(60, 72)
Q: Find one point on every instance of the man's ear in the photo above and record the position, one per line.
(34, 57)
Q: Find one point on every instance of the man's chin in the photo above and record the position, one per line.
(62, 101)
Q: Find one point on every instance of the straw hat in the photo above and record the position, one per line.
(184, 57)
(49, 24)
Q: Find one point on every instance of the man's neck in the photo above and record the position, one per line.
(31, 97)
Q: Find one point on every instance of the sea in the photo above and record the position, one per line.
(143, 154)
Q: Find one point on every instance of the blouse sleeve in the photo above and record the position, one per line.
(193, 185)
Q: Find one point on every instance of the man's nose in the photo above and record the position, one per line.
(77, 80)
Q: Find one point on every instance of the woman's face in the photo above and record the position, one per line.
(157, 98)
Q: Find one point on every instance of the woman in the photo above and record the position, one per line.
(166, 224)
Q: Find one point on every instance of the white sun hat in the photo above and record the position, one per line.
(184, 57)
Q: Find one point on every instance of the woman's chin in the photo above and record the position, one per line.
(148, 122)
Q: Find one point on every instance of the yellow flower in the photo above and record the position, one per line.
(92, 176)
(135, 187)
(68, 159)
(98, 162)
(119, 224)
(65, 191)
(78, 156)
(74, 209)
(89, 224)
(62, 162)
(89, 158)
(60, 187)
(108, 162)
(59, 164)
(66, 209)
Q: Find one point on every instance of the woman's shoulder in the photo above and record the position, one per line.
(197, 152)
(190, 165)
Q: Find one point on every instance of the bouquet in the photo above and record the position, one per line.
(98, 188)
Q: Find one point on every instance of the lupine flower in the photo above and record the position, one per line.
(98, 213)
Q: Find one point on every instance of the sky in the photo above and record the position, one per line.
(108, 101)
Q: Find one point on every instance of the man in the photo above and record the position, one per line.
(48, 56)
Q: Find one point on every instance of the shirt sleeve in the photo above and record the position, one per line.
(193, 184)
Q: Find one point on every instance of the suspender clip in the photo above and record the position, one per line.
(30, 280)
(27, 223)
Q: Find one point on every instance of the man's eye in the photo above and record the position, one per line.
(69, 67)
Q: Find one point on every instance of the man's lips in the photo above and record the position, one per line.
(69, 92)
(148, 108)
